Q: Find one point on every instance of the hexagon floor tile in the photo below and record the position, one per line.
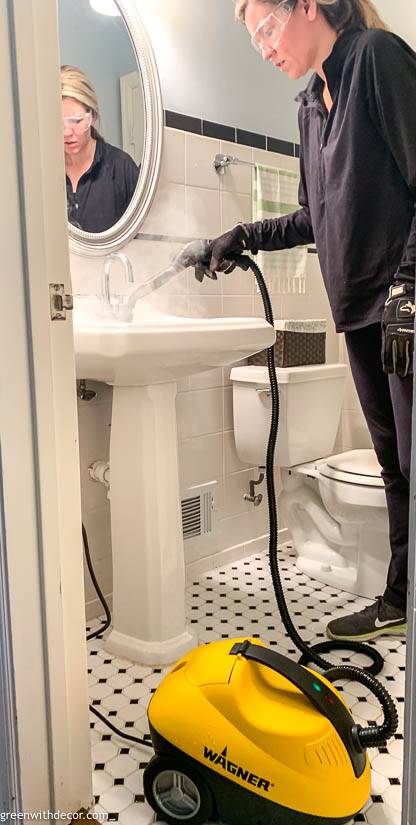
(229, 601)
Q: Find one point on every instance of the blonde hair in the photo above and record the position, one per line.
(338, 13)
(75, 84)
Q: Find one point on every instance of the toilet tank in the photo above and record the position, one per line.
(310, 410)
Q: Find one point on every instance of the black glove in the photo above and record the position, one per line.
(222, 251)
(224, 248)
(397, 329)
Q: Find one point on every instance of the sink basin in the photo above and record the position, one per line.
(156, 348)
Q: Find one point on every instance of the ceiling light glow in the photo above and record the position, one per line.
(107, 7)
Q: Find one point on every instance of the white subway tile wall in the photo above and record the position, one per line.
(192, 199)
(237, 178)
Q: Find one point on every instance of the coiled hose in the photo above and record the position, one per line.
(374, 735)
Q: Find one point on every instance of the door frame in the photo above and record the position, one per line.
(42, 543)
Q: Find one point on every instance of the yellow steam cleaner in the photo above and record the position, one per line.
(245, 736)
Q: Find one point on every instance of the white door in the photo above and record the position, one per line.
(132, 115)
(41, 551)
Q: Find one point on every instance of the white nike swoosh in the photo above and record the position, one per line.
(378, 623)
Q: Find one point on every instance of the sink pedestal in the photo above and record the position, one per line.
(146, 528)
(142, 361)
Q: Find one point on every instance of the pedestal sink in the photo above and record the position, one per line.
(142, 360)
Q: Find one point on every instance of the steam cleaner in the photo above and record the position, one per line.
(242, 734)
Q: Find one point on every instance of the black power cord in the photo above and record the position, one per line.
(105, 625)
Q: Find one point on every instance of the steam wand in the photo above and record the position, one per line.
(195, 254)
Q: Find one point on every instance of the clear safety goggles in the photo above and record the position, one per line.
(78, 123)
(270, 29)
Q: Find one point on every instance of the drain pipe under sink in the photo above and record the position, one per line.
(100, 471)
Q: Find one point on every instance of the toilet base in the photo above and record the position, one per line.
(343, 578)
(337, 566)
(350, 554)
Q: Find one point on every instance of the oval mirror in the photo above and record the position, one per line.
(113, 122)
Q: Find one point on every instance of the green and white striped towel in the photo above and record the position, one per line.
(275, 193)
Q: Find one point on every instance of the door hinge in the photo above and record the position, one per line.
(59, 302)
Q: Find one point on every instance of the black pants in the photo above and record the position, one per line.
(386, 401)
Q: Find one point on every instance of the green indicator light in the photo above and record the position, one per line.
(317, 687)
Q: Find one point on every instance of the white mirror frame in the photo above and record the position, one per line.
(113, 239)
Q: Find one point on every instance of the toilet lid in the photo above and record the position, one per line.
(355, 467)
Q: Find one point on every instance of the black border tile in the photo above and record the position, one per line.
(282, 147)
(219, 131)
(185, 122)
(251, 139)
(232, 134)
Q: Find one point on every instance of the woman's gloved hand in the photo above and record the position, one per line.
(226, 246)
(397, 329)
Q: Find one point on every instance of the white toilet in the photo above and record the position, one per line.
(334, 506)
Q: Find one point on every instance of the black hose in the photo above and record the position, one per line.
(375, 734)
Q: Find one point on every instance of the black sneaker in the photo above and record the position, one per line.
(375, 620)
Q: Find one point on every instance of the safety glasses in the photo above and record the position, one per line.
(78, 123)
(270, 29)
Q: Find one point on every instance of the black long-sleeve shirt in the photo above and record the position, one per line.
(358, 174)
(104, 191)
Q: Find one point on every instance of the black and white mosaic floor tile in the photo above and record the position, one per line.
(230, 601)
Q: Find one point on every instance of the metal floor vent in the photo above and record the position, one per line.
(197, 511)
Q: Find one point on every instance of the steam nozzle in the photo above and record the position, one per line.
(196, 254)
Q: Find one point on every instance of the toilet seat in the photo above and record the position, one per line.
(357, 467)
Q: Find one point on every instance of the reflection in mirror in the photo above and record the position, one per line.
(103, 114)
(100, 178)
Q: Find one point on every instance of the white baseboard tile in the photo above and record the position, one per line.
(94, 609)
(231, 554)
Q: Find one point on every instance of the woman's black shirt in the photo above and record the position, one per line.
(358, 174)
(104, 191)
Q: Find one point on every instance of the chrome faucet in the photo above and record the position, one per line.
(113, 257)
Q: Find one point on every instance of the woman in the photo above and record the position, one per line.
(357, 193)
(100, 178)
